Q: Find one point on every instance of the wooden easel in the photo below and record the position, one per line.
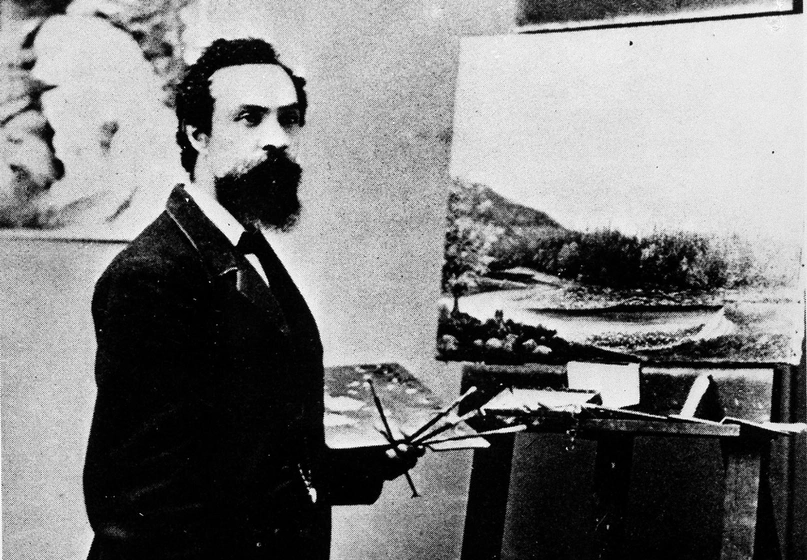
(745, 446)
(745, 452)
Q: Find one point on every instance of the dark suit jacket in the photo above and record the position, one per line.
(210, 399)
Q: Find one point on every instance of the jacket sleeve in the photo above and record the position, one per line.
(146, 458)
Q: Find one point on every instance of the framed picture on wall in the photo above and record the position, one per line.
(633, 192)
(87, 125)
(548, 15)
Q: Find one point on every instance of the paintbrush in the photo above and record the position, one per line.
(500, 431)
(444, 427)
(441, 414)
(388, 434)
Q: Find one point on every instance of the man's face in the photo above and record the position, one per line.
(252, 143)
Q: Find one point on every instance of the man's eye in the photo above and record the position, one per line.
(250, 119)
(287, 119)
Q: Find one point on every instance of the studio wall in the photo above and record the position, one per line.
(367, 256)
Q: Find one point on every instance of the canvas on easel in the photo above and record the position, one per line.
(633, 193)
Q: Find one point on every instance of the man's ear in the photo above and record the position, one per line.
(196, 137)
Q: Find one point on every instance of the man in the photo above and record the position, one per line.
(207, 438)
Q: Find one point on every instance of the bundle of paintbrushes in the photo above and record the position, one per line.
(428, 435)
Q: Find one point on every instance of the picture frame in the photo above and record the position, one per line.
(87, 126)
(537, 16)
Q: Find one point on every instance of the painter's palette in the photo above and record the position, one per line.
(352, 419)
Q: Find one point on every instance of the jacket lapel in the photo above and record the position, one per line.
(220, 258)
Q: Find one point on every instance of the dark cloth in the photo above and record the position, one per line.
(209, 405)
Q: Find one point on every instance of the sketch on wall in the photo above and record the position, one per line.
(627, 194)
(87, 126)
(568, 14)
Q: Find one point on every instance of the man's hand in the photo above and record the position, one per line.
(400, 459)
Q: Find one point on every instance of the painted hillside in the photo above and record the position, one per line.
(671, 295)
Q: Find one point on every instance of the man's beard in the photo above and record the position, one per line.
(265, 195)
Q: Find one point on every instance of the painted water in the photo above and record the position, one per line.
(579, 325)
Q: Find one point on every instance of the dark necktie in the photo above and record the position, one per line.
(252, 242)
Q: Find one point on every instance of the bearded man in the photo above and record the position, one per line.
(207, 439)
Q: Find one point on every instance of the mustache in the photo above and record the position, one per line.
(276, 164)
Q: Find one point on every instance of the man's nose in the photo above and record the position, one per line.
(274, 135)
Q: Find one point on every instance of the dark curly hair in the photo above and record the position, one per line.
(194, 103)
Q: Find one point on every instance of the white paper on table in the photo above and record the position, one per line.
(519, 399)
(617, 384)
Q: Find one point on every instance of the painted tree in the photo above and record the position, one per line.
(468, 241)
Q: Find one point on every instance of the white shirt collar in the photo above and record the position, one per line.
(216, 213)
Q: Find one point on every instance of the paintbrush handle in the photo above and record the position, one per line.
(389, 437)
(442, 414)
(500, 431)
(380, 409)
(445, 427)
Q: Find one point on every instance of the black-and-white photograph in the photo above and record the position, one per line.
(421, 279)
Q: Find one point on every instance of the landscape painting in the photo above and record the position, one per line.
(632, 194)
(542, 15)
